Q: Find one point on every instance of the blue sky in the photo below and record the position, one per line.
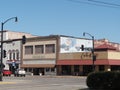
(63, 17)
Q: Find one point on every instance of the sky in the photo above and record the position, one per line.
(63, 17)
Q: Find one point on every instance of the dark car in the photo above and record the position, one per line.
(6, 73)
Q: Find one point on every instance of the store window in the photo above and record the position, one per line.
(76, 68)
(28, 49)
(101, 68)
(47, 69)
(39, 49)
(52, 69)
(50, 48)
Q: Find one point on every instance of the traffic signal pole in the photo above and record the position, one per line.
(92, 51)
(93, 55)
(1, 61)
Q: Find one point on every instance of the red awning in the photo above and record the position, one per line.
(88, 62)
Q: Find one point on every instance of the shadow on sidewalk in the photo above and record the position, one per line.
(84, 89)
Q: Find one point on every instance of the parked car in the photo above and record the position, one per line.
(6, 73)
(20, 72)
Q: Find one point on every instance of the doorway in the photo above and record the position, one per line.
(66, 70)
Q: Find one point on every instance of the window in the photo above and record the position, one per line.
(52, 69)
(50, 48)
(76, 68)
(14, 55)
(101, 68)
(10, 55)
(28, 49)
(39, 49)
(17, 55)
(47, 69)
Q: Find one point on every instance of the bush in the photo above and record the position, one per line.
(103, 80)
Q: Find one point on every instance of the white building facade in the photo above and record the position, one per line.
(12, 45)
(13, 54)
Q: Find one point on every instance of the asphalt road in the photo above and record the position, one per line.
(43, 83)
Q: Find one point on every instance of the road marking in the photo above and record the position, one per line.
(7, 82)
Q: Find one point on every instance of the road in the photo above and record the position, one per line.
(43, 83)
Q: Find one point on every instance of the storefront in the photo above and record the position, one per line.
(81, 63)
(39, 56)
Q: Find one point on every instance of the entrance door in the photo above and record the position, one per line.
(36, 71)
(13, 68)
(87, 69)
(66, 70)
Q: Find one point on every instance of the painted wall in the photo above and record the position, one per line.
(71, 45)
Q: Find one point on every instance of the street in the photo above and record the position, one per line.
(43, 83)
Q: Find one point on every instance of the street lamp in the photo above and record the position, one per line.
(93, 56)
(1, 61)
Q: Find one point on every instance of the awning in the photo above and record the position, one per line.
(89, 62)
(38, 65)
(13, 61)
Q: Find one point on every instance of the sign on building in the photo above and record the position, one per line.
(70, 44)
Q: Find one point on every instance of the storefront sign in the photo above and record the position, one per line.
(87, 55)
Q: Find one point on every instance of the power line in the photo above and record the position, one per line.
(97, 3)
(105, 3)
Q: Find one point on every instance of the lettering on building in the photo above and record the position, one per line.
(87, 55)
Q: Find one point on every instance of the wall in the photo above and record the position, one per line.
(12, 46)
(114, 55)
(82, 56)
(38, 60)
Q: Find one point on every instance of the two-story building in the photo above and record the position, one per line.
(62, 55)
(40, 55)
(43, 54)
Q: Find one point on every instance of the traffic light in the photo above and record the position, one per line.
(82, 47)
(4, 53)
(2, 65)
(23, 39)
(94, 58)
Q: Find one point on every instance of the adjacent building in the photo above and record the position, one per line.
(40, 54)
(12, 45)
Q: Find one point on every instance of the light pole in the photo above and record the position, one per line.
(93, 56)
(1, 61)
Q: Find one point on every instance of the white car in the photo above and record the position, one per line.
(20, 72)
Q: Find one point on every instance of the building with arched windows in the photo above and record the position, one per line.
(12, 45)
(13, 54)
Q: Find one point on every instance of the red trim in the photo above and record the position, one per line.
(106, 46)
(88, 62)
(114, 62)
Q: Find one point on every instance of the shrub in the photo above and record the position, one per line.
(103, 80)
